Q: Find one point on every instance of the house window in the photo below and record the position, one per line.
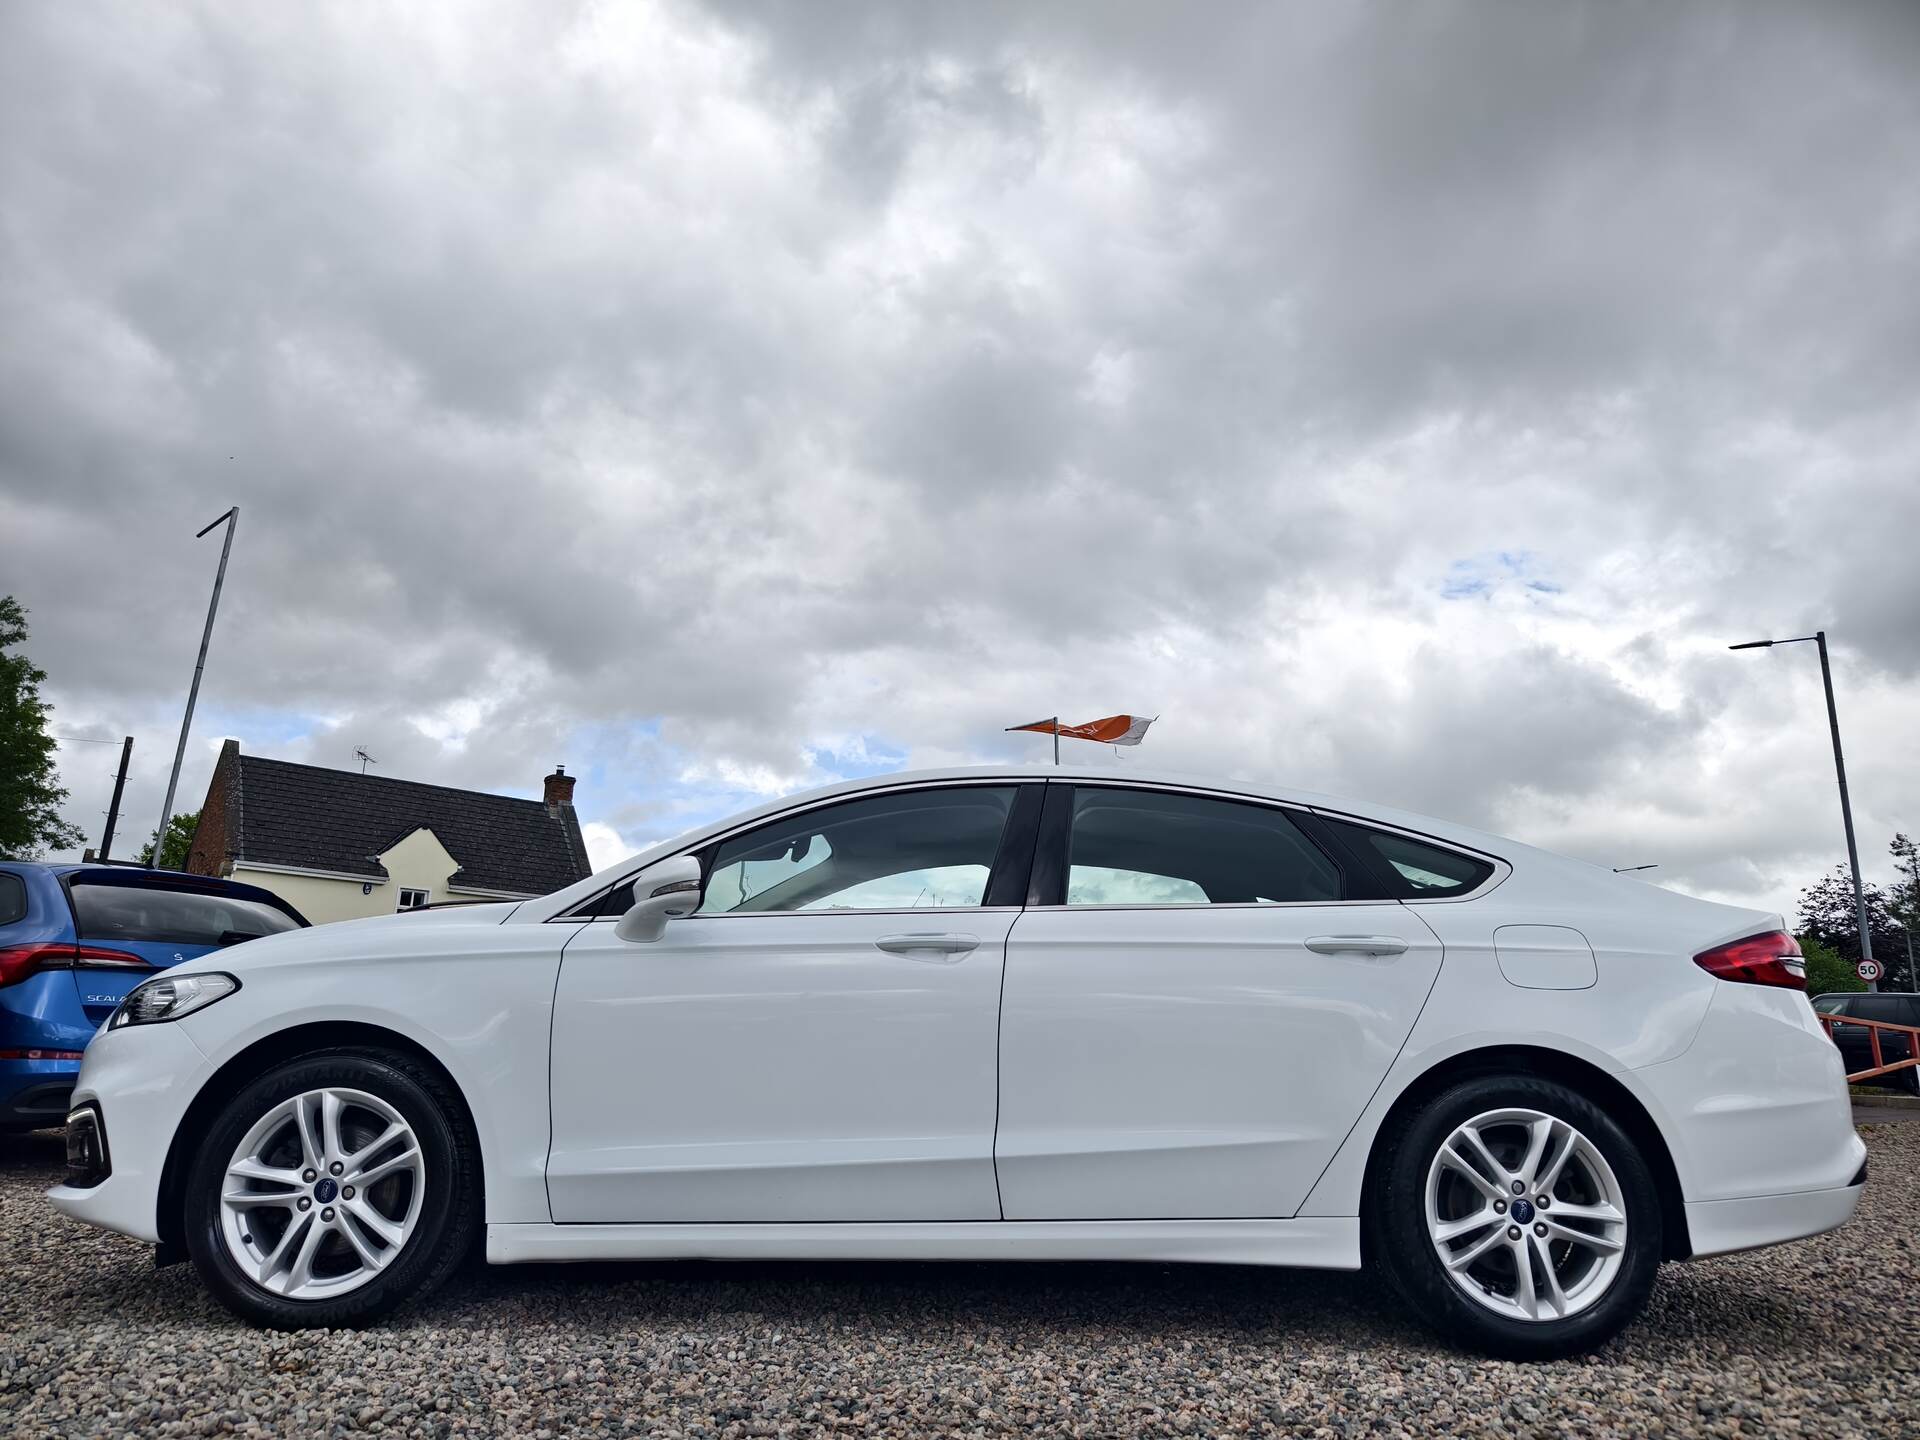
(413, 899)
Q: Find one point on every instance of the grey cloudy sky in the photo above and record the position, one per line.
(1403, 401)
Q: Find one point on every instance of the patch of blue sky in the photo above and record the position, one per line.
(650, 790)
(257, 727)
(1480, 576)
(864, 755)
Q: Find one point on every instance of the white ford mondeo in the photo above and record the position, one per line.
(995, 1014)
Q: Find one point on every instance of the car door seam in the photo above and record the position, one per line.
(1405, 1040)
(999, 1021)
(553, 1019)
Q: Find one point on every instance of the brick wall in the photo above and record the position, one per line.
(211, 851)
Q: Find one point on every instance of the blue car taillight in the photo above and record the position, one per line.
(17, 962)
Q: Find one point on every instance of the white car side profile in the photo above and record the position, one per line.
(995, 1013)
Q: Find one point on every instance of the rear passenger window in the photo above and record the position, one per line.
(1148, 847)
(1420, 871)
(13, 898)
(174, 917)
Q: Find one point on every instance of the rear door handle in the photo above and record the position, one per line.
(1356, 945)
(945, 948)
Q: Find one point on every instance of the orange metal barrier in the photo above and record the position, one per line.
(1873, 1028)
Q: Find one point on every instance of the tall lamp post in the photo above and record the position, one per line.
(231, 520)
(1819, 638)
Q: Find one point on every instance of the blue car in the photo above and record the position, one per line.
(75, 938)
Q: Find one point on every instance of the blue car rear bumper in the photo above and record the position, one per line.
(40, 1013)
(34, 1093)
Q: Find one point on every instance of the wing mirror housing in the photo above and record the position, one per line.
(661, 893)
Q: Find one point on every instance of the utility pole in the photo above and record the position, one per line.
(231, 520)
(1819, 637)
(1846, 806)
(113, 806)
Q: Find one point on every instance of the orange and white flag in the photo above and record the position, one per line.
(1113, 730)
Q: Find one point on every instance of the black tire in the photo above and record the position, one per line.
(1401, 1246)
(449, 1216)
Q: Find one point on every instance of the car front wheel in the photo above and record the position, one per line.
(332, 1189)
(1517, 1215)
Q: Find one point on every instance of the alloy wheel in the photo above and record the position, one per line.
(322, 1193)
(1526, 1215)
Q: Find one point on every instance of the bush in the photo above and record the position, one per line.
(1828, 971)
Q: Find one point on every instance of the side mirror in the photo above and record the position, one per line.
(661, 893)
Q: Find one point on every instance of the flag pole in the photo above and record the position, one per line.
(1056, 739)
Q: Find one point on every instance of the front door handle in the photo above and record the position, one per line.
(945, 948)
(1356, 945)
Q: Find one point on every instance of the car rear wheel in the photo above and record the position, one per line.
(332, 1189)
(1517, 1215)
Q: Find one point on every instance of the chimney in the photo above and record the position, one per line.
(559, 789)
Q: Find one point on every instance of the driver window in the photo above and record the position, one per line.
(918, 850)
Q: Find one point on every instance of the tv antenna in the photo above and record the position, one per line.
(364, 759)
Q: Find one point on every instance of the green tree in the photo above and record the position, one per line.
(1829, 914)
(1828, 972)
(1903, 899)
(30, 796)
(173, 854)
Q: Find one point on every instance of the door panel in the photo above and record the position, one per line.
(779, 1067)
(1195, 1062)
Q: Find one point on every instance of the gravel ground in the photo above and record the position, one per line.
(1821, 1338)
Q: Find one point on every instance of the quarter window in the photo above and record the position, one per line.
(1419, 870)
(917, 850)
(13, 898)
(1146, 847)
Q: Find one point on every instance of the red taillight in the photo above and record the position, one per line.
(41, 1054)
(17, 962)
(1769, 959)
(98, 957)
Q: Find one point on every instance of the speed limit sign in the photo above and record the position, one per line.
(1868, 970)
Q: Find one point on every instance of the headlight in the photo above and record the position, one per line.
(168, 997)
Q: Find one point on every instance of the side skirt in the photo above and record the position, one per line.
(1322, 1242)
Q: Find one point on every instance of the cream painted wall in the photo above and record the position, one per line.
(418, 862)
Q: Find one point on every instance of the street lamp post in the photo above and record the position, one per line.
(231, 520)
(1819, 638)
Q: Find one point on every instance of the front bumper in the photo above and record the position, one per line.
(141, 1080)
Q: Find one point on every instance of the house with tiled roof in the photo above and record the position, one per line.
(339, 845)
